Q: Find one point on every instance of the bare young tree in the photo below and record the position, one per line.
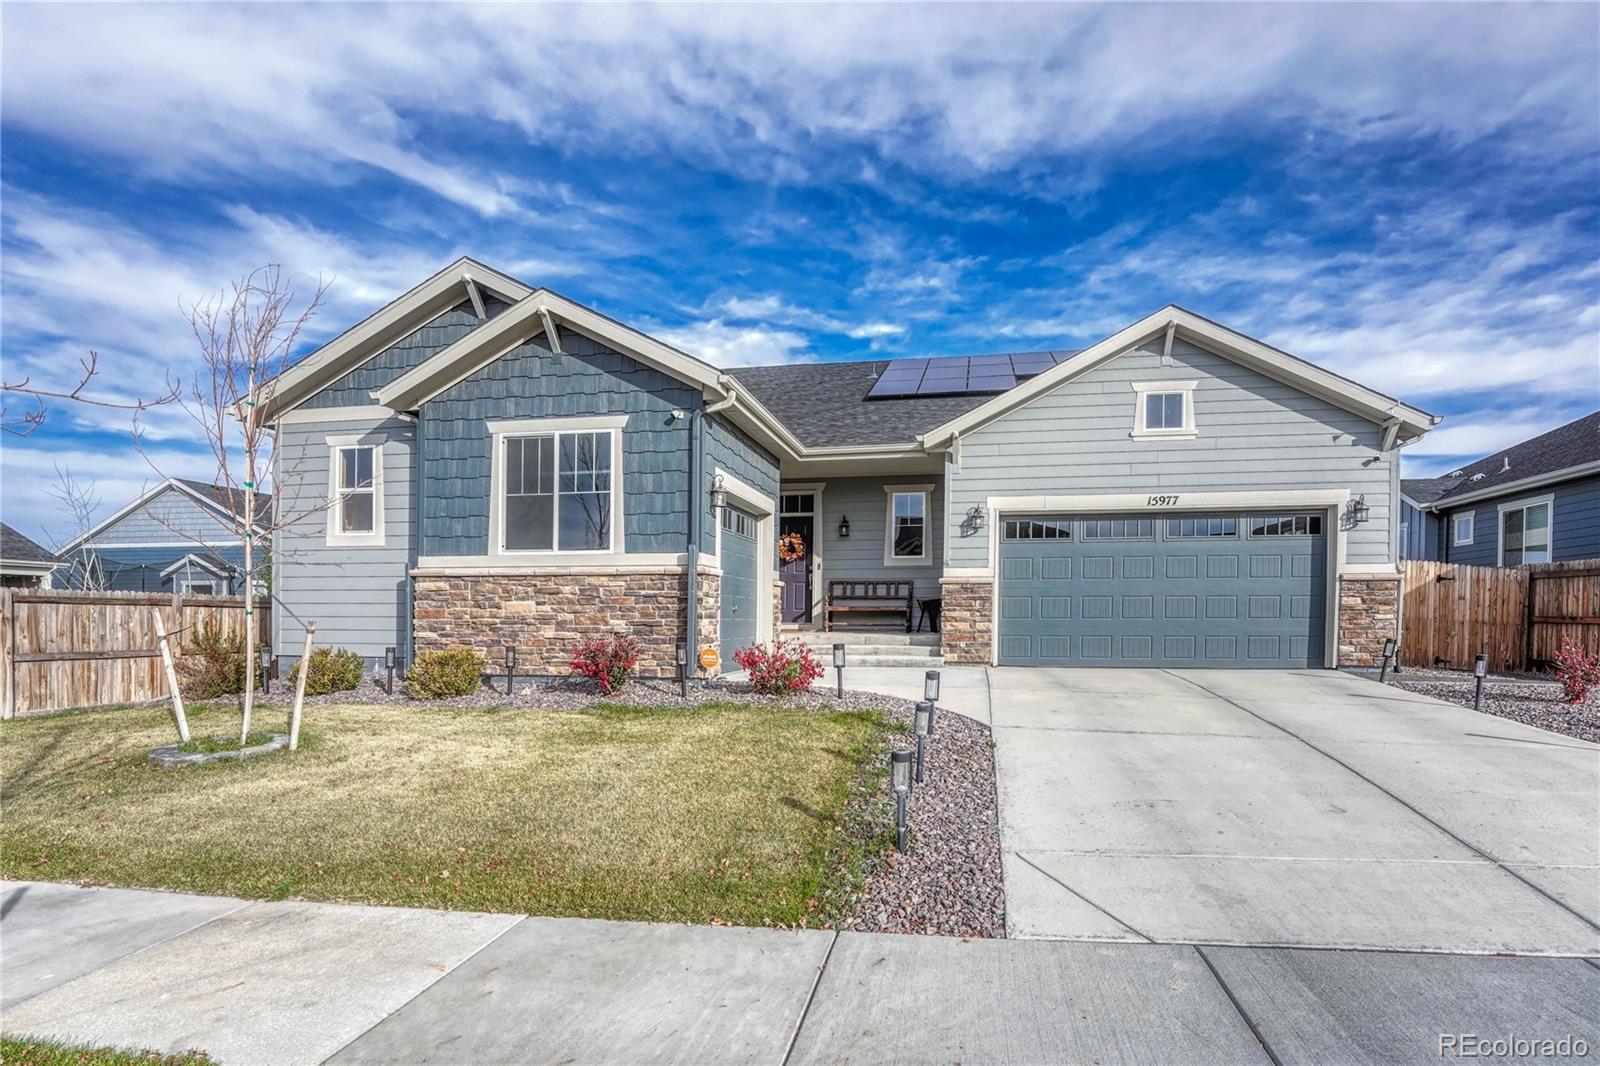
(247, 335)
(31, 419)
(79, 500)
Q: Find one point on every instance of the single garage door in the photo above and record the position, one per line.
(738, 557)
(1241, 589)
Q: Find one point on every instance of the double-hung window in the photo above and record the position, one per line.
(355, 504)
(557, 491)
(906, 524)
(1525, 532)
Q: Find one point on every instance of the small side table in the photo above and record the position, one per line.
(930, 607)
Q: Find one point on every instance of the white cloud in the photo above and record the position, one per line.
(771, 309)
(724, 344)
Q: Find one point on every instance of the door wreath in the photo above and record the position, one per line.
(791, 546)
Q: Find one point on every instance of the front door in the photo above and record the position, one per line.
(796, 573)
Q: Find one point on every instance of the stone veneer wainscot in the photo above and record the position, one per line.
(966, 621)
(543, 614)
(1369, 613)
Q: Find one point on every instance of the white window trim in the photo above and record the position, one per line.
(765, 511)
(499, 431)
(1142, 432)
(890, 492)
(188, 584)
(336, 538)
(1549, 500)
(1456, 540)
(819, 587)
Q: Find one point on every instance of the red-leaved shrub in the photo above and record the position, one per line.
(783, 667)
(1577, 670)
(609, 660)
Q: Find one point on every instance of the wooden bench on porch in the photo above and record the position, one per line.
(868, 597)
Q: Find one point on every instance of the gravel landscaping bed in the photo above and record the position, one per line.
(949, 881)
(1532, 702)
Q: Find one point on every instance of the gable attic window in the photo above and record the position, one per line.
(1163, 409)
(557, 485)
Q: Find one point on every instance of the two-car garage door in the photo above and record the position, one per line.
(1226, 589)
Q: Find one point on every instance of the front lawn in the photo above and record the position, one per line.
(725, 812)
(33, 1051)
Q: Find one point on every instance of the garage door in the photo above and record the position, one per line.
(1239, 589)
(738, 557)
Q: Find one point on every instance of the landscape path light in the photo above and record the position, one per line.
(1388, 653)
(511, 669)
(266, 669)
(838, 666)
(1480, 666)
(930, 692)
(388, 668)
(683, 670)
(923, 723)
(900, 782)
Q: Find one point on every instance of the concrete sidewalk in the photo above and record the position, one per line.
(292, 983)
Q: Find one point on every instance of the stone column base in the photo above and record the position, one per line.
(544, 614)
(1369, 613)
(966, 621)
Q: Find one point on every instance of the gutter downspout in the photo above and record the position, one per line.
(696, 516)
(416, 540)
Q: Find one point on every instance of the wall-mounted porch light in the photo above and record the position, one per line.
(844, 526)
(1358, 511)
(974, 519)
(719, 495)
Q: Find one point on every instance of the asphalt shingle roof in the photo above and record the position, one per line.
(14, 547)
(1565, 446)
(1425, 489)
(825, 404)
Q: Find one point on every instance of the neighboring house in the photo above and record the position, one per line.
(1534, 502)
(497, 465)
(177, 537)
(23, 563)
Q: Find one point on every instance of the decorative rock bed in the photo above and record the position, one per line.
(171, 755)
(949, 882)
(1529, 700)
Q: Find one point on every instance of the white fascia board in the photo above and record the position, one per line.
(1565, 474)
(382, 329)
(193, 560)
(458, 361)
(30, 567)
(1247, 351)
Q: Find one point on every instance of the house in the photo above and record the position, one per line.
(180, 536)
(1534, 502)
(24, 564)
(488, 464)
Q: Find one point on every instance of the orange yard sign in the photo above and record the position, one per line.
(709, 658)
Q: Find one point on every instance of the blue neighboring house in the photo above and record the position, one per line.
(178, 537)
(1534, 502)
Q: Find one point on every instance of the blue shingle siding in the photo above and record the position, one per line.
(734, 450)
(532, 382)
(1576, 533)
(355, 388)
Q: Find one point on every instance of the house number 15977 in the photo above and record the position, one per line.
(1162, 501)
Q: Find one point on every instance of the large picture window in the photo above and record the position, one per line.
(557, 492)
(1525, 533)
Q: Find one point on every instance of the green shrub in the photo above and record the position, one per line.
(334, 670)
(212, 663)
(438, 675)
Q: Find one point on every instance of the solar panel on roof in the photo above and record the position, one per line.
(961, 375)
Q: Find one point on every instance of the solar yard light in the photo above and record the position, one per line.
(683, 670)
(838, 666)
(1480, 667)
(389, 661)
(923, 723)
(1388, 653)
(266, 669)
(511, 670)
(900, 779)
(930, 692)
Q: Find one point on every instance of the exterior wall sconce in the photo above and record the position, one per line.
(719, 495)
(974, 518)
(844, 526)
(1358, 511)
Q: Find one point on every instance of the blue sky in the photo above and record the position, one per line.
(1407, 195)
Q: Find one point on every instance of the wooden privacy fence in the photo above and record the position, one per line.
(1518, 616)
(61, 649)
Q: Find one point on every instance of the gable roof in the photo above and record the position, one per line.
(226, 502)
(383, 328)
(1423, 490)
(16, 548)
(1567, 451)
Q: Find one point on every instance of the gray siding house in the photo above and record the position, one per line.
(1534, 502)
(490, 464)
(180, 536)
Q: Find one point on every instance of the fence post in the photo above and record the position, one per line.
(8, 655)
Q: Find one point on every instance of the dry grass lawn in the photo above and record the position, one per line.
(721, 813)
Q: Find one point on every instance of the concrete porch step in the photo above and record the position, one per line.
(857, 638)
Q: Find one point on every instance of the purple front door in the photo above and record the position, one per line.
(796, 574)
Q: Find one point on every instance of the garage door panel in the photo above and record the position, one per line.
(1137, 599)
(738, 613)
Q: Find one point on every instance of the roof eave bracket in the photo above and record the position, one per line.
(550, 333)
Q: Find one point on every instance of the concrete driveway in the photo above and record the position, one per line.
(1296, 809)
